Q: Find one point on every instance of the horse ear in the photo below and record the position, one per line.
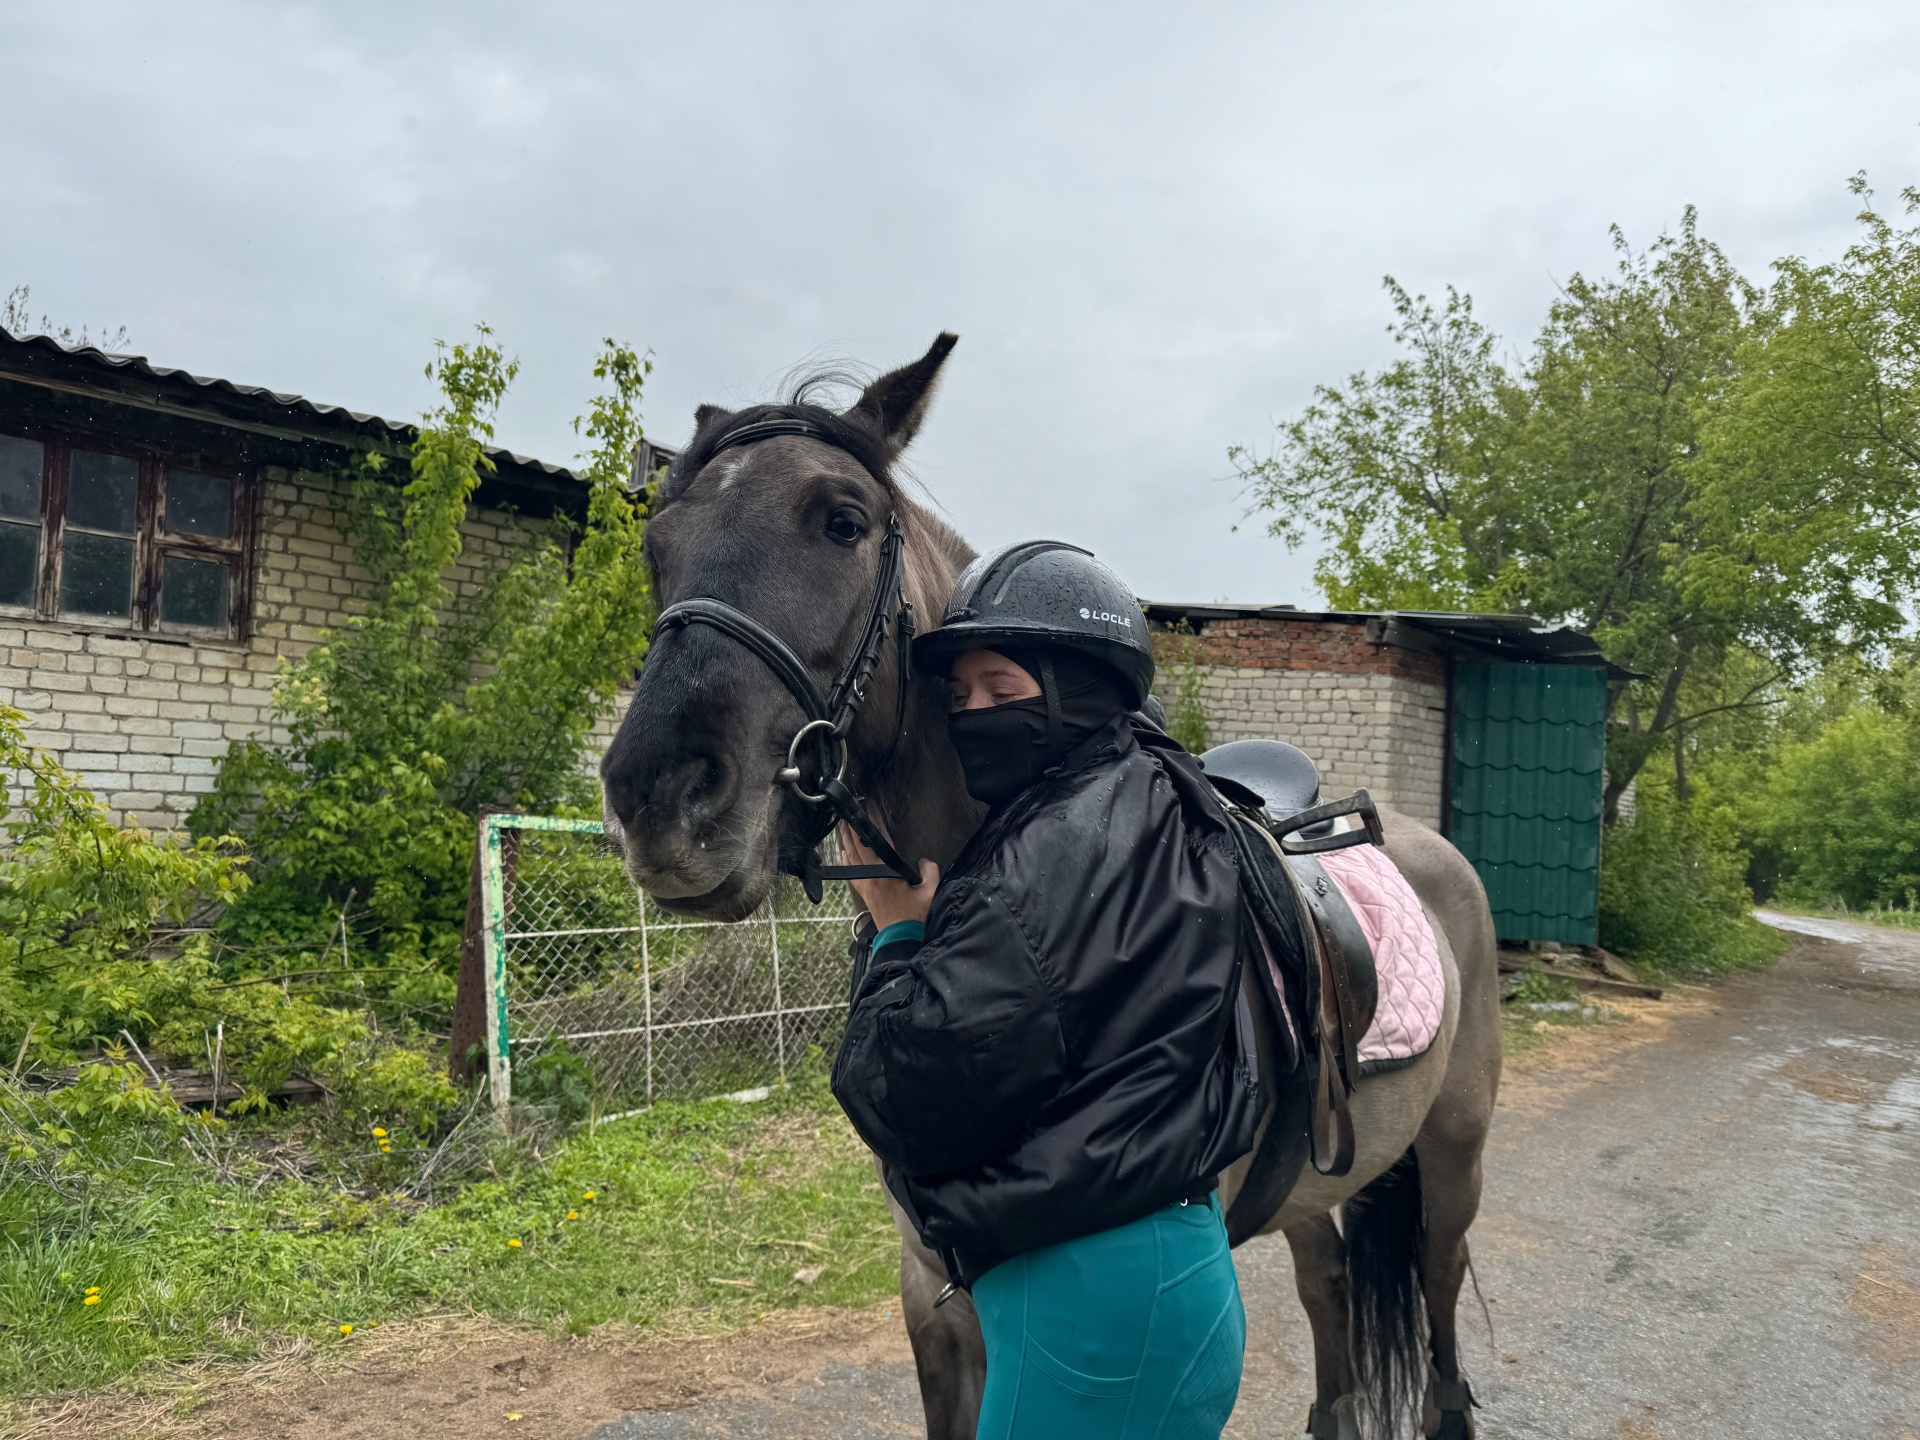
(897, 402)
(703, 415)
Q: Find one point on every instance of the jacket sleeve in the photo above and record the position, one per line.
(952, 1043)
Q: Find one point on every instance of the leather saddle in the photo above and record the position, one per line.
(1319, 967)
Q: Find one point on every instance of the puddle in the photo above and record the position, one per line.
(1806, 925)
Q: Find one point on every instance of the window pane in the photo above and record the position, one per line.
(96, 575)
(19, 563)
(199, 504)
(19, 478)
(102, 493)
(193, 592)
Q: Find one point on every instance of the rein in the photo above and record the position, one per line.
(829, 718)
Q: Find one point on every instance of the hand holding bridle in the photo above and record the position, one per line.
(888, 901)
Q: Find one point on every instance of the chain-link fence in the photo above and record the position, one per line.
(583, 976)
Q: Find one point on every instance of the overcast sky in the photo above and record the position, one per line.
(1154, 227)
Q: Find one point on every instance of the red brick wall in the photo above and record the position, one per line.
(1338, 647)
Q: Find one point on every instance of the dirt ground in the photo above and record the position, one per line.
(475, 1379)
(1691, 1230)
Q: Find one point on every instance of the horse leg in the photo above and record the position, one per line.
(1453, 1200)
(1320, 1275)
(948, 1353)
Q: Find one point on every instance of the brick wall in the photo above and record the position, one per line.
(144, 720)
(1372, 715)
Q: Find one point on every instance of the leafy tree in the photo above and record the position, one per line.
(1827, 794)
(1840, 813)
(1810, 490)
(1391, 469)
(1643, 474)
(407, 719)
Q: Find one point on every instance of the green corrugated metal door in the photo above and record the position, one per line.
(1529, 752)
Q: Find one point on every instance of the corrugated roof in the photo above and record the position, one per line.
(230, 401)
(1462, 633)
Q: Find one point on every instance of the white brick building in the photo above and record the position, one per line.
(1368, 696)
(167, 541)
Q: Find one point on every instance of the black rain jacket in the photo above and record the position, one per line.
(1068, 1049)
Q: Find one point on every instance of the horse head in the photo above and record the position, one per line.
(787, 530)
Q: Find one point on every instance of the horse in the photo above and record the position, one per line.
(793, 525)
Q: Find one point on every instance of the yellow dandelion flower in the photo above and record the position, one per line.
(573, 1214)
(513, 1244)
(91, 1300)
(92, 1290)
(346, 1329)
(378, 1133)
(588, 1194)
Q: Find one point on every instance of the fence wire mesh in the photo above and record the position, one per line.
(584, 973)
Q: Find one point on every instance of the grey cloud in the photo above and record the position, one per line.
(1154, 226)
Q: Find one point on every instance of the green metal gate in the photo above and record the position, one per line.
(1529, 770)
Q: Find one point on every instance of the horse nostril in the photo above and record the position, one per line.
(706, 787)
(663, 800)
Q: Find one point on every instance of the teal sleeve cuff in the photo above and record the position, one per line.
(898, 931)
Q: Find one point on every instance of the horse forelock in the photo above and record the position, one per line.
(861, 441)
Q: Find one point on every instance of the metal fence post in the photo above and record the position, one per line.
(779, 1012)
(494, 954)
(646, 995)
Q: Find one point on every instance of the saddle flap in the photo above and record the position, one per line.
(1351, 971)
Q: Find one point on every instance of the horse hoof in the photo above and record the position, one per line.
(1455, 1425)
(1337, 1422)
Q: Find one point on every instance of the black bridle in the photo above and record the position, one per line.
(825, 734)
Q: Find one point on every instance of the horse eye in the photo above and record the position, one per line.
(844, 527)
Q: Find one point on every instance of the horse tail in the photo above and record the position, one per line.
(1385, 1227)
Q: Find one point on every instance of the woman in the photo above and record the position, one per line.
(1048, 1050)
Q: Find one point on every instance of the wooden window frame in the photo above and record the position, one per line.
(153, 543)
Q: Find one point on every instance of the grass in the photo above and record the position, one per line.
(689, 1217)
(1529, 1018)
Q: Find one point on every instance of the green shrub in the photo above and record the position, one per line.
(1183, 667)
(408, 719)
(1673, 893)
(80, 898)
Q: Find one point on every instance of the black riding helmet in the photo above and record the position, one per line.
(1041, 593)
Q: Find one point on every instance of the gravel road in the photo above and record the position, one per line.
(1704, 1223)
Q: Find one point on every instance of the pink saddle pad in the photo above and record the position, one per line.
(1413, 990)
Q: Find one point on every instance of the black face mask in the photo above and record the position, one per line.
(1007, 748)
(1003, 750)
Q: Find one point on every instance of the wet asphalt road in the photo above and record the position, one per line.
(1715, 1233)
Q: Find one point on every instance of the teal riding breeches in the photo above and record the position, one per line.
(1135, 1333)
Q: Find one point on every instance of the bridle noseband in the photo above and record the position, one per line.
(829, 719)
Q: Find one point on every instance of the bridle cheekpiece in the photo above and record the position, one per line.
(829, 719)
